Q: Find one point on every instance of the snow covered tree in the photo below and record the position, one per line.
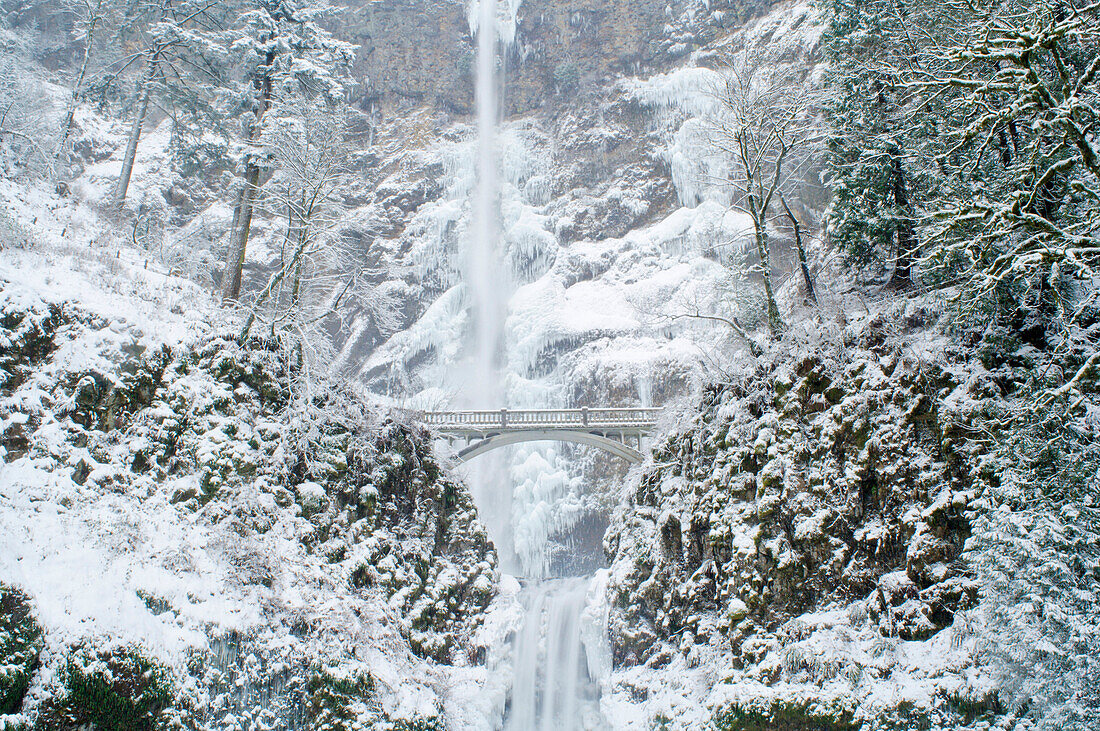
(24, 120)
(90, 17)
(1016, 84)
(178, 41)
(1036, 550)
(766, 127)
(962, 134)
(872, 147)
(320, 269)
(284, 53)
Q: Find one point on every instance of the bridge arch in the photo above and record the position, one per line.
(608, 429)
(496, 441)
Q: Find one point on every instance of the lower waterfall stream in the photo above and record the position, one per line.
(554, 686)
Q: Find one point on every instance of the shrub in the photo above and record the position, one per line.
(20, 643)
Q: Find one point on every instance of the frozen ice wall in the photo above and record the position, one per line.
(519, 315)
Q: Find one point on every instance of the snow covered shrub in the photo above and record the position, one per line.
(337, 703)
(566, 76)
(26, 114)
(110, 690)
(245, 680)
(1036, 547)
(12, 235)
(346, 701)
(777, 715)
(20, 643)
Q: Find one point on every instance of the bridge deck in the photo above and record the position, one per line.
(584, 419)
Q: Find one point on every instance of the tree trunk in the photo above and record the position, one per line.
(89, 39)
(806, 278)
(234, 260)
(775, 320)
(234, 263)
(760, 221)
(905, 236)
(135, 132)
(1006, 153)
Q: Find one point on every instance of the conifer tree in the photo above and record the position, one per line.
(871, 148)
(281, 51)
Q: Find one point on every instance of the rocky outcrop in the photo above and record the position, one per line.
(411, 530)
(826, 477)
(320, 494)
(420, 53)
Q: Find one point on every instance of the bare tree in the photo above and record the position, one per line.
(24, 111)
(179, 33)
(90, 16)
(320, 274)
(764, 123)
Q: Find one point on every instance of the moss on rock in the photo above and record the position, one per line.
(347, 701)
(20, 644)
(116, 690)
(784, 715)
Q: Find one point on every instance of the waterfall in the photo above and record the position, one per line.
(554, 685)
(554, 689)
(487, 292)
(486, 281)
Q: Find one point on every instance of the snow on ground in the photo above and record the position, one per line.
(841, 665)
(99, 564)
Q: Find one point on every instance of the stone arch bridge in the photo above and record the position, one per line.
(612, 430)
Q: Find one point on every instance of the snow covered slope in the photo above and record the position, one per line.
(233, 544)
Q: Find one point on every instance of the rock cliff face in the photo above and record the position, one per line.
(419, 53)
(805, 519)
(205, 534)
(583, 154)
(824, 479)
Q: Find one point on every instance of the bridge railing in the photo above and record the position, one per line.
(543, 418)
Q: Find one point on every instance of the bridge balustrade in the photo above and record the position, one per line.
(607, 428)
(643, 418)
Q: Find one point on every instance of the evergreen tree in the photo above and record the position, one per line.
(177, 51)
(282, 52)
(873, 147)
(1036, 550)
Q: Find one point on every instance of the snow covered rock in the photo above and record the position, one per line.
(798, 513)
(194, 535)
